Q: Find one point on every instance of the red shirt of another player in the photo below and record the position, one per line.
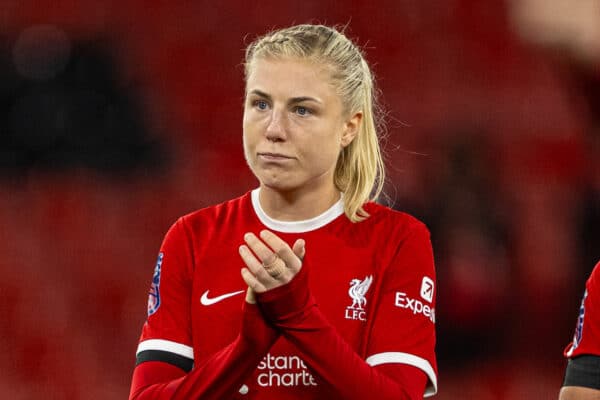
(586, 339)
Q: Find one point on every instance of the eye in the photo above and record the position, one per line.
(302, 111)
(260, 104)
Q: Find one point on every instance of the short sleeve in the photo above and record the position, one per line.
(403, 331)
(166, 334)
(586, 339)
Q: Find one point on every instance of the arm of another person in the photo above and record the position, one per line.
(582, 379)
(578, 393)
(582, 375)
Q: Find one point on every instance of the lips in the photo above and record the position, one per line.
(267, 156)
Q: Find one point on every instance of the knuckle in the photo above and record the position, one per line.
(263, 275)
(283, 251)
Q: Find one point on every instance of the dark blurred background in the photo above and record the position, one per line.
(117, 117)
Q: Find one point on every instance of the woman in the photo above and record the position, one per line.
(582, 374)
(339, 298)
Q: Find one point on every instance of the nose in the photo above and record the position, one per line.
(276, 128)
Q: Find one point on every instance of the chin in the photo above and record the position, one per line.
(273, 179)
(280, 183)
(277, 185)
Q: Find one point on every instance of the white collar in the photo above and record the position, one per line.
(296, 226)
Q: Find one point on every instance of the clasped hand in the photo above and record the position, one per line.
(270, 262)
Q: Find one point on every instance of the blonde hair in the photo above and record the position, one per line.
(359, 173)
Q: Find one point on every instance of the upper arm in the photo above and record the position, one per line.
(403, 330)
(166, 334)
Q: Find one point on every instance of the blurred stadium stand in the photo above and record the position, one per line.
(116, 116)
(63, 108)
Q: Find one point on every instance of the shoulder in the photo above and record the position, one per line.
(406, 246)
(594, 279)
(218, 213)
(592, 293)
(592, 284)
(393, 232)
(211, 221)
(393, 221)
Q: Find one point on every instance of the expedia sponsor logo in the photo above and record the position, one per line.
(283, 371)
(416, 306)
(427, 288)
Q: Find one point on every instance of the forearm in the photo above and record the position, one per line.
(292, 309)
(217, 377)
(578, 393)
(335, 361)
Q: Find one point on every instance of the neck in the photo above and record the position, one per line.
(296, 205)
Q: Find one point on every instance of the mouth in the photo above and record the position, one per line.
(273, 157)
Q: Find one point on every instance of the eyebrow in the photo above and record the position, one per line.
(293, 100)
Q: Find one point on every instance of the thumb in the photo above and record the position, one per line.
(299, 249)
(250, 296)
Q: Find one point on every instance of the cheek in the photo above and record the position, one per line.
(324, 153)
(252, 125)
(247, 131)
(247, 142)
(248, 147)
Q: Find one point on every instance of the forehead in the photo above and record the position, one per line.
(290, 76)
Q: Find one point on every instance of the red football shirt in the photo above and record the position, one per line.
(374, 281)
(586, 339)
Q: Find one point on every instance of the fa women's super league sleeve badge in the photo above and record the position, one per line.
(154, 294)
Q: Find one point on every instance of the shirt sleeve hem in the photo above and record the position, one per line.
(583, 371)
(410, 359)
(166, 345)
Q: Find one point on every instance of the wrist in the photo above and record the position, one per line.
(255, 330)
(287, 301)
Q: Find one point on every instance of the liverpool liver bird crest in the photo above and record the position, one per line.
(358, 290)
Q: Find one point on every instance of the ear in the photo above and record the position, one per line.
(351, 127)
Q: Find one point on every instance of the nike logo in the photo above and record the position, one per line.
(206, 301)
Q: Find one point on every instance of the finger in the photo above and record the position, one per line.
(299, 249)
(250, 294)
(254, 266)
(282, 249)
(264, 254)
(253, 284)
(274, 265)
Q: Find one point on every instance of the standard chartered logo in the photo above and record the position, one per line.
(284, 371)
